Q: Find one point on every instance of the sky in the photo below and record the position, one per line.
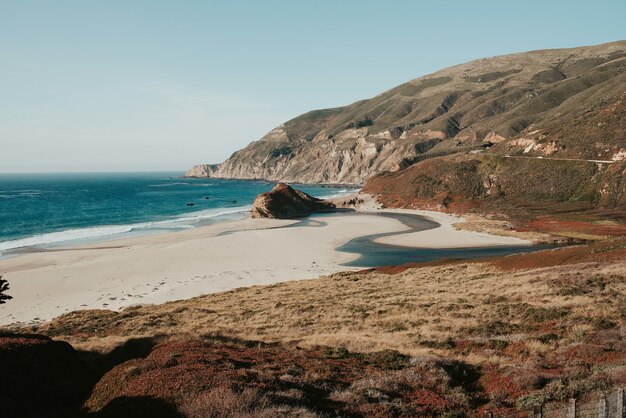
(162, 85)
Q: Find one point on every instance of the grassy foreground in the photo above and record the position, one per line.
(446, 338)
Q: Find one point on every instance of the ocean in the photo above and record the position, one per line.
(61, 209)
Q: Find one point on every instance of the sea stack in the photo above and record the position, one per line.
(285, 202)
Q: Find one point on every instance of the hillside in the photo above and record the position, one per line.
(565, 103)
(515, 184)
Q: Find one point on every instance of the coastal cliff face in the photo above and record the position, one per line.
(202, 171)
(565, 103)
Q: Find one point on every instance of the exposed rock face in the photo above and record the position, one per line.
(543, 96)
(202, 171)
(41, 377)
(284, 202)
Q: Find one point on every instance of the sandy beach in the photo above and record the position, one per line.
(214, 258)
(446, 235)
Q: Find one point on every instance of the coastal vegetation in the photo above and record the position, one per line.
(444, 338)
(4, 286)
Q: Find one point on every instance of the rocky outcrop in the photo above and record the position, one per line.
(285, 202)
(202, 171)
(41, 377)
(543, 96)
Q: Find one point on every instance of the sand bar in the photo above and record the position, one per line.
(446, 235)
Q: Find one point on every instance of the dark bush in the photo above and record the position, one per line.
(4, 286)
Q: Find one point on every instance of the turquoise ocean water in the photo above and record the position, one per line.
(59, 209)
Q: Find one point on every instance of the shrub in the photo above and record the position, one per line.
(541, 314)
(4, 286)
(223, 402)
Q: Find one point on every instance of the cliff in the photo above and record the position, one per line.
(532, 103)
(202, 171)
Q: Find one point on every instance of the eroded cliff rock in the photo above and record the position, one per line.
(284, 202)
(202, 171)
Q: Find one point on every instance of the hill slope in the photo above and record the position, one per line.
(559, 103)
(489, 182)
(518, 330)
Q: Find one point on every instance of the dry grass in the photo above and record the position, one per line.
(419, 311)
(496, 226)
(223, 402)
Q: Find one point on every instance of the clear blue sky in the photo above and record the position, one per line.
(162, 85)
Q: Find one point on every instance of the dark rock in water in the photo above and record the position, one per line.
(234, 201)
(190, 204)
(206, 197)
(42, 377)
(284, 202)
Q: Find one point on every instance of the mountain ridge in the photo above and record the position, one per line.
(521, 103)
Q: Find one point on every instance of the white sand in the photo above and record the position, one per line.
(165, 267)
(446, 236)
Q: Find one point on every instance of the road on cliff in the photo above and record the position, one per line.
(560, 159)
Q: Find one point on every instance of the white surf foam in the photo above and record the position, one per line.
(168, 184)
(340, 193)
(67, 235)
(110, 231)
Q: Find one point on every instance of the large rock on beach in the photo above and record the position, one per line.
(285, 202)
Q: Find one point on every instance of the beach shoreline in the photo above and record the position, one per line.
(57, 210)
(214, 258)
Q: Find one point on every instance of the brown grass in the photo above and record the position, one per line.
(223, 402)
(600, 252)
(418, 311)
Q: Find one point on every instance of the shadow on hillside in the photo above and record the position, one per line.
(221, 338)
(130, 349)
(467, 377)
(42, 377)
(137, 407)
